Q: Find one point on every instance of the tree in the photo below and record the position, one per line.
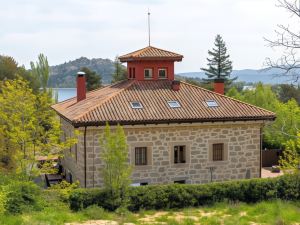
(41, 71)
(116, 172)
(290, 158)
(29, 128)
(93, 80)
(9, 70)
(219, 65)
(288, 41)
(120, 71)
(287, 122)
(287, 92)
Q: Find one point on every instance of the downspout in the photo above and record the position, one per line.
(84, 146)
(260, 151)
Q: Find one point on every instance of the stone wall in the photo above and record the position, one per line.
(241, 141)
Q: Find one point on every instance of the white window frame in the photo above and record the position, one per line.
(211, 103)
(136, 107)
(171, 104)
(150, 72)
(166, 74)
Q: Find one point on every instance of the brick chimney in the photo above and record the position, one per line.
(175, 85)
(219, 86)
(81, 86)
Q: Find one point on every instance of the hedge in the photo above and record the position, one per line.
(286, 187)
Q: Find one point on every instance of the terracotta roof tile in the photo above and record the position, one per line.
(112, 104)
(151, 53)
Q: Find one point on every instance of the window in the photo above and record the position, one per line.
(179, 182)
(218, 152)
(133, 72)
(148, 73)
(130, 73)
(136, 105)
(179, 154)
(139, 184)
(76, 153)
(140, 156)
(174, 104)
(162, 73)
(212, 103)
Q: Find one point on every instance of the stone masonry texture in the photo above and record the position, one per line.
(242, 154)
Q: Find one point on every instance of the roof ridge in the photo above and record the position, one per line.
(164, 50)
(225, 96)
(130, 82)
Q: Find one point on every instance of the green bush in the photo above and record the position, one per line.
(64, 189)
(22, 196)
(286, 187)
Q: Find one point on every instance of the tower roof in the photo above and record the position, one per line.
(151, 53)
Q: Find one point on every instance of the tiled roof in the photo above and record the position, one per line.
(112, 104)
(151, 53)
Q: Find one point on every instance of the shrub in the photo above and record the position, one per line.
(286, 187)
(3, 199)
(21, 196)
(64, 189)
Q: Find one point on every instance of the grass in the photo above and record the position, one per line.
(56, 212)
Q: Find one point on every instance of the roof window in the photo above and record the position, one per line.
(136, 105)
(212, 103)
(174, 104)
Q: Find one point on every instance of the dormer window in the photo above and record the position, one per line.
(212, 103)
(174, 104)
(148, 73)
(162, 73)
(136, 105)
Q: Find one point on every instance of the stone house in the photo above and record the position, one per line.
(176, 132)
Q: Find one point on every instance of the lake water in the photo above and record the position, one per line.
(65, 93)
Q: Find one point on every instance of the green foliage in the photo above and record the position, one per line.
(287, 92)
(3, 200)
(41, 71)
(64, 189)
(116, 172)
(9, 70)
(286, 187)
(120, 72)
(93, 80)
(285, 127)
(291, 155)
(22, 196)
(29, 128)
(219, 65)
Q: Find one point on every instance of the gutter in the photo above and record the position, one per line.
(84, 154)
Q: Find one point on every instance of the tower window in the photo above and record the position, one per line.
(130, 73)
(148, 73)
(162, 73)
(133, 72)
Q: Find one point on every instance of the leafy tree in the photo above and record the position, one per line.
(291, 154)
(93, 80)
(219, 65)
(287, 91)
(116, 172)
(41, 71)
(9, 69)
(287, 122)
(29, 128)
(120, 71)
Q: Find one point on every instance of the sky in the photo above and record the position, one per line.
(67, 29)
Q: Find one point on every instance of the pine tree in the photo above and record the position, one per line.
(219, 65)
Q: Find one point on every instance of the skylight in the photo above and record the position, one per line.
(212, 103)
(136, 105)
(174, 104)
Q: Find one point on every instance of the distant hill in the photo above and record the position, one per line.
(248, 76)
(63, 75)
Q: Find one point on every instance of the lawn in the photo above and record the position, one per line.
(56, 212)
